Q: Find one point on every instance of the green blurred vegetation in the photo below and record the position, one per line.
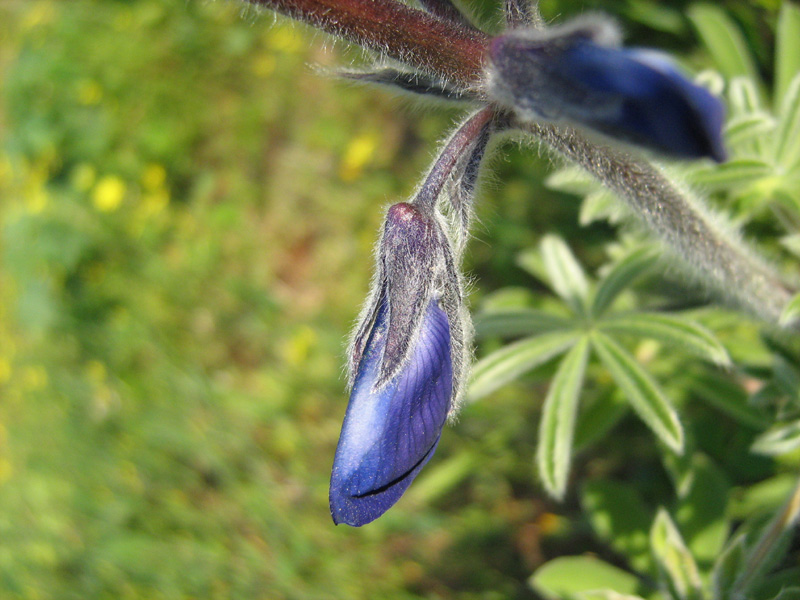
(187, 213)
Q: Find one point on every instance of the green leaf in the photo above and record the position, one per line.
(571, 180)
(727, 567)
(620, 518)
(531, 261)
(771, 587)
(565, 274)
(746, 127)
(669, 329)
(787, 146)
(621, 276)
(787, 49)
(641, 390)
(602, 205)
(771, 545)
(512, 323)
(761, 497)
(557, 426)
(674, 560)
(729, 397)
(733, 173)
(788, 593)
(701, 512)
(781, 439)
(511, 361)
(723, 40)
(791, 311)
(745, 99)
(571, 575)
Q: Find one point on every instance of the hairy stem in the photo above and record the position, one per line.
(414, 37)
(455, 150)
(446, 11)
(457, 55)
(701, 243)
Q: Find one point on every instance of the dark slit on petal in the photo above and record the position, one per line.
(397, 480)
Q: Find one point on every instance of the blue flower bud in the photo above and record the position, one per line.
(579, 74)
(401, 368)
(391, 430)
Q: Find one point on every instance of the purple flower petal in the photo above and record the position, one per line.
(657, 106)
(391, 431)
(578, 74)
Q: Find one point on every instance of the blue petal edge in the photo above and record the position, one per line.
(659, 107)
(391, 432)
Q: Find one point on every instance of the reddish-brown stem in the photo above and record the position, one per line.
(454, 151)
(405, 34)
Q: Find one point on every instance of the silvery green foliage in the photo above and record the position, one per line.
(409, 355)
(585, 325)
(689, 553)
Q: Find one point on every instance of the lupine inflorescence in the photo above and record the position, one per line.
(410, 352)
(578, 91)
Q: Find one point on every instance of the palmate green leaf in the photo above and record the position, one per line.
(643, 393)
(675, 562)
(564, 272)
(512, 323)
(787, 147)
(621, 276)
(511, 361)
(573, 576)
(621, 519)
(781, 439)
(737, 172)
(787, 49)
(669, 329)
(557, 425)
(723, 40)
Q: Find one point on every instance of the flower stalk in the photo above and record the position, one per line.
(445, 46)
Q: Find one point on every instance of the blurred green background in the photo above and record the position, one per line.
(187, 213)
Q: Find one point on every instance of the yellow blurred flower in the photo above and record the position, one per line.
(154, 177)
(358, 153)
(108, 193)
(286, 39)
(37, 200)
(296, 349)
(40, 13)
